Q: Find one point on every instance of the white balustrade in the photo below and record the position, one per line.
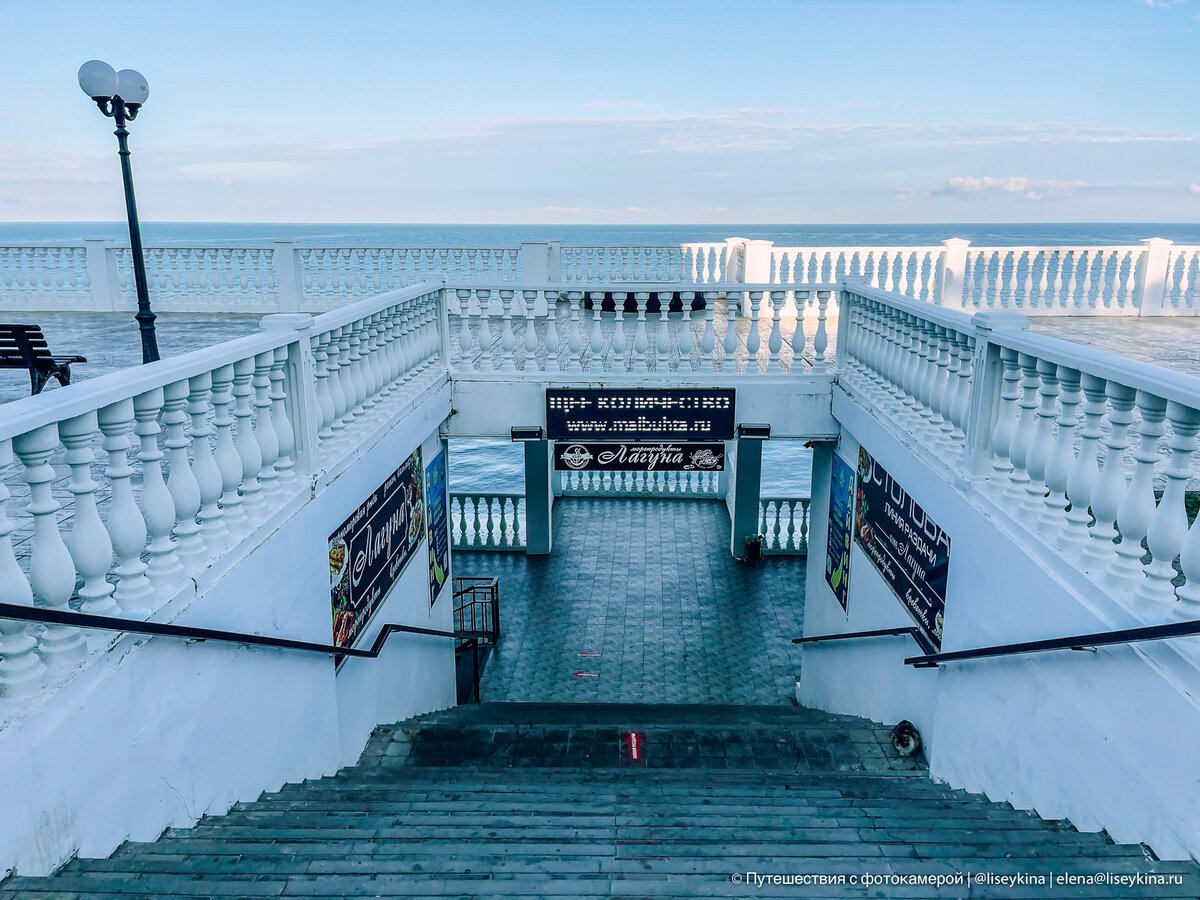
(783, 523)
(1089, 452)
(684, 485)
(487, 521)
(198, 450)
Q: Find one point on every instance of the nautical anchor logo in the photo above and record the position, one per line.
(576, 456)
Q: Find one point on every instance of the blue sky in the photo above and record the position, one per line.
(810, 111)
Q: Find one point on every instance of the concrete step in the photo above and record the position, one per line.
(425, 813)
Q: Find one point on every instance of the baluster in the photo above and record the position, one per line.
(1018, 451)
(662, 360)
(477, 524)
(181, 483)
(323, 393)
(516, 524)
(264, 431)
(575, 332)
(1006, 419)
(21, 670)
(158, 507)
(707, 339)
(618, 342)
(1169, 526)
(596, 335)
(947, 396)
(1110, 488)
(1081, 484)
(508, 338)
(733, 300)
(1042, 439)
(1062, 457)
(213, 531)
(465, 341)
(340, 385)
(791, 524)
(940, 374)
(753, 339)
(821, 338)
(641, 340)
(804, 510)
(369, 366)
(778, 525)
(529, 299)
(89, 543)
(962, 396)
(491, 522)
(248, 448)
(51, 570)
(484, 338)
(552, 340)
(126, 525)
(799, 300)
(1137, 506)
(775, 340)
(685, 332)
(285, 462)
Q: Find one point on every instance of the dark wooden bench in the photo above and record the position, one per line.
(24, 347)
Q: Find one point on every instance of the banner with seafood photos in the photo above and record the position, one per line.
(370, 550)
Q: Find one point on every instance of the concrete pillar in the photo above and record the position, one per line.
(954, 267)
(541, 262)
(756, 265)
(1151, 285)
(289, 277)
(102, 274)
(747, 486)
(539, 498)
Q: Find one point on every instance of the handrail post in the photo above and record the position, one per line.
(299, 385)
(984, 400)
(1151, 285)
(954, 264)
(444, 323)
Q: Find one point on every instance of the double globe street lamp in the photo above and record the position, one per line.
(120, 96)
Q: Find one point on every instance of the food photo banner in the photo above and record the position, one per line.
(580, 414)
(841, 524)
(438, 514)
(908, 548)
(369, 551)
(640, 457)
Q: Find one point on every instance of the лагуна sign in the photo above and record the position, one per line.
(909, 549)
(570, 457)
(372, 547)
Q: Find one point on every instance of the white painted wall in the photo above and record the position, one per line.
(1107, 739)
(159, 732)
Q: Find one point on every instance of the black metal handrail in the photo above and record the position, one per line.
(479, 594)
(910, 630)
(192, 633)
(1076, 642)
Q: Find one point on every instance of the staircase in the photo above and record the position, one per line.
(544, 800)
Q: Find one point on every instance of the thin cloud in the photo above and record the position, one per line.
(967, 187)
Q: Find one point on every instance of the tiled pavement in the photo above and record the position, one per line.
(643, 599)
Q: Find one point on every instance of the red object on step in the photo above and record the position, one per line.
(635, 742)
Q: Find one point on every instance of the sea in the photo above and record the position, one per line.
(477, 465)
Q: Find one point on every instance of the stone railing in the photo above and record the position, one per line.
(1155, 277)
(221, 439)
(914, 271)
(697, 485)
(481, 520)
(783, 523)
(633, 328)
(1088, 452)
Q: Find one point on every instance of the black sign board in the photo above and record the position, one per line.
(907, 547)
(372, 547)
(640, 457)
(575, 414)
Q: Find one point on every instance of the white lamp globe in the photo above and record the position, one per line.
(132, 86)
(98, 79)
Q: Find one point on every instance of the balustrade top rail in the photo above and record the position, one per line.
(1155, 277)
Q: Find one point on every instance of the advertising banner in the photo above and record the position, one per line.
(437, 512)
(841, 526)
(581, 414)
(372, 547)
(648, 457)
(907, 547)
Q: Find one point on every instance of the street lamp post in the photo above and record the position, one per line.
(120, 96)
